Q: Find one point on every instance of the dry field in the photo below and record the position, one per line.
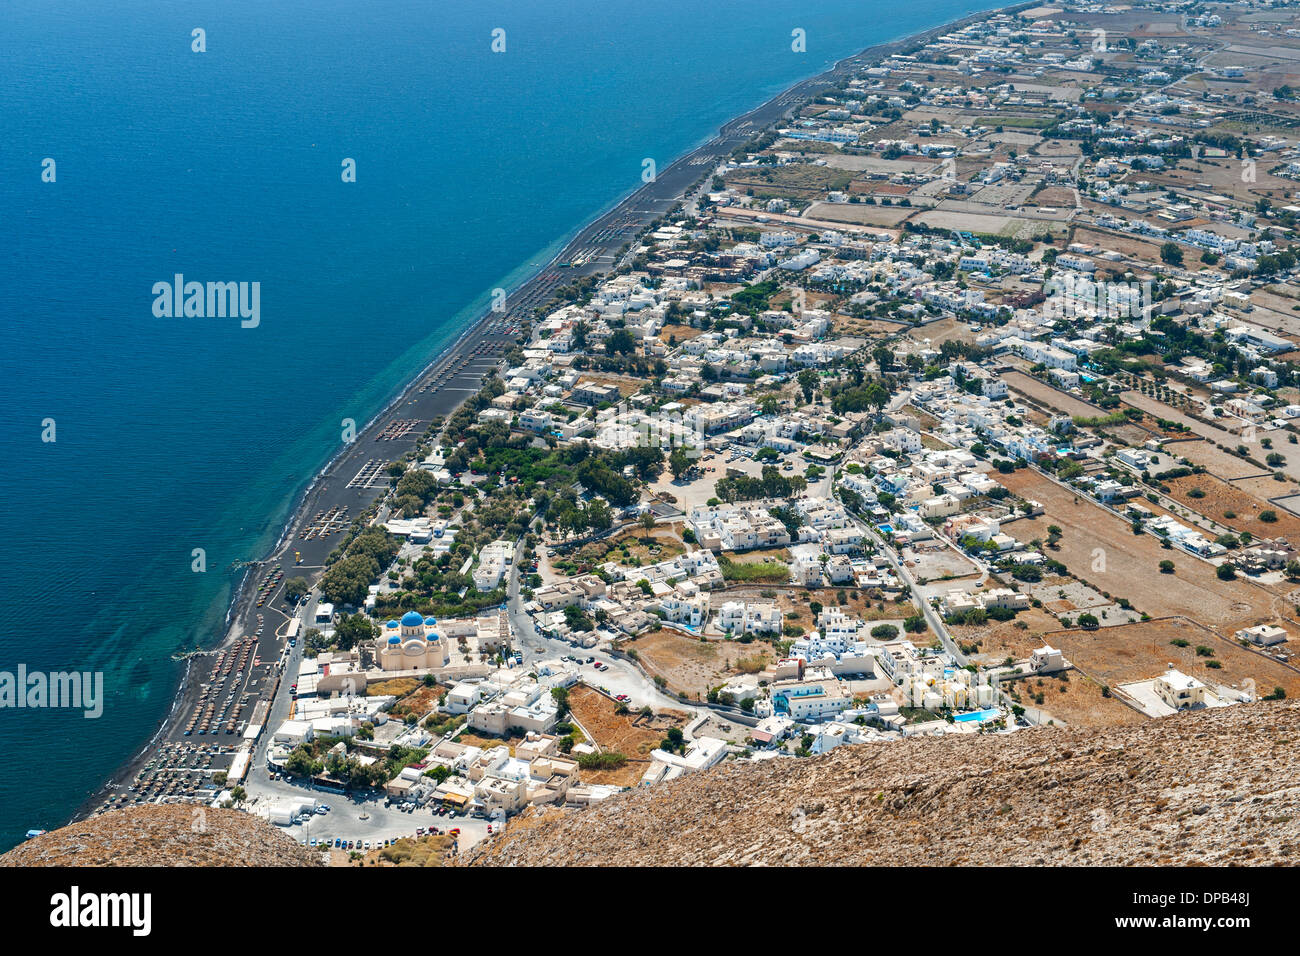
(423, 700)
(1140, 651)
(1268, 488)
(1220, 498)
(1133, 434)
(942, 331)
(1054, 196)
(680, 333)
(859, 605)
(869, 326)
(1132, 561)
(979, 222)
(1153, 406)
(630, 734)
(626, 386)
(1054, 398)
(692, 666)
(1216, 460)
(397, 687)
(861, 214)
(997, 640)
(1074, 699)
(1124, 244)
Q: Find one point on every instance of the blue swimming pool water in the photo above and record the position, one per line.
(991, 713)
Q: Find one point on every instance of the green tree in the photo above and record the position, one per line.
(354, 629)
(679, 462)
(807, 380)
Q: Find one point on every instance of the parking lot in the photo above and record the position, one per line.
(357, 820)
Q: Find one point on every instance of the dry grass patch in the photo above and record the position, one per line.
(1074, 699)
(693, 667)
(631, 734)
(1218, 498)
(1140, 651)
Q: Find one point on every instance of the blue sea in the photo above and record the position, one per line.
(173, 434)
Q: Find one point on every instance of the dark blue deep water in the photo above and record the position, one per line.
(174, 434)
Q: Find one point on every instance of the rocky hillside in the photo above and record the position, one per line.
(169, 835)
(1209, 787)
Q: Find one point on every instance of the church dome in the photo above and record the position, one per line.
(412, 619)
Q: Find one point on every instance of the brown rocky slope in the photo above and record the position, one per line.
(168, 835)
(1214, 787)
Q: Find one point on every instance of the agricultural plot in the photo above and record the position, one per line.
(1141, 651)
(1103, 550)
(1217, 500)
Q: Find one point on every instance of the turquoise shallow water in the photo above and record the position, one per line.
(176, 434)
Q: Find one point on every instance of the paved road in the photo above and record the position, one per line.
(931, 616)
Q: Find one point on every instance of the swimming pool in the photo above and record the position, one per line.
(978, 715)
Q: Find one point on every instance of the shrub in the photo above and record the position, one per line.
(609, 760)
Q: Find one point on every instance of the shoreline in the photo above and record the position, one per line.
(638, 207)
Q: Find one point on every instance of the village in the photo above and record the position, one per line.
(959, 402)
